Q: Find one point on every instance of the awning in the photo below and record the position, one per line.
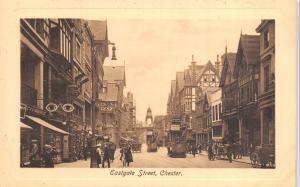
(46, 124)
(24, 126)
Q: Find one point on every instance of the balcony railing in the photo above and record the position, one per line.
(28, 95)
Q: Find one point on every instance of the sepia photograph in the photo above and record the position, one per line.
(147, 93)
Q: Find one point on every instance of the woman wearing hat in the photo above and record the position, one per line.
(98, 154)
(35, 160)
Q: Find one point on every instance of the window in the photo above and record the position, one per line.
(60, 37)
(39, 25)
(193, 91)
(213, 113)
(266, 77)
(77, 50)
(266, 38)
(217, 112)
(220, 110)
(193, 106)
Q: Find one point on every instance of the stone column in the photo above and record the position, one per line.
(39, 83)
(224, 128)
(261, 117)
(39, 86)
(240, 129)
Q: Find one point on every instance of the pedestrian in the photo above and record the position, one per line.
(210, 151)
(200, 148)
(112, 149)
(85, 152)
(48, 156)
(229, 152)
(194, 149)
(128, 155)
(106, 157)
(98, 154)
(35, 159)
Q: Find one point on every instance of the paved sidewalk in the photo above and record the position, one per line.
(245, 159)
(83, 163)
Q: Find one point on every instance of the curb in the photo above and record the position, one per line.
(234, 160)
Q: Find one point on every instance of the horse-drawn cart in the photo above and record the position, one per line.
(221, 152)
(263, 156)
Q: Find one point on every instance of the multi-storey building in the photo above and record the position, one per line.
(207, 82)
(246, 73)
(215, 114)
(159, 127)
(111, 100)
(266, 91)
(127, 116)
(182, 102)
(240, 78)
(56, 60)
(229, 93)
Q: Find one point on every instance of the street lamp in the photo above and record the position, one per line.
(94, 163)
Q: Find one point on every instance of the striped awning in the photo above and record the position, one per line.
(24, 126)
(46, 124)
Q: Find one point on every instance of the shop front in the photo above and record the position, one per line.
(25, 144)
(49, 134)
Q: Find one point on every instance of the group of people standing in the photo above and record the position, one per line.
(105, 153)
(194, 149)
(126, 155)
(42, 160)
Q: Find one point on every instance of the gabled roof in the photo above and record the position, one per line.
(249, 47)
(228, 61)
(208, 92)
(187, 77)
(173, 88)
(99, 29)
(199, 69)
(179, 81)
(111, 93)
(114, 73)
(206, 67)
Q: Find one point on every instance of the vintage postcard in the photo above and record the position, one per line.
(187, 94)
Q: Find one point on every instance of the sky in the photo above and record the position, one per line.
(154, 50)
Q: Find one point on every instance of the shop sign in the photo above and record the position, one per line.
(149, 133)
(175, 127)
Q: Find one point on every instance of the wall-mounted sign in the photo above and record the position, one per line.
(176, 120)
(149, 133)
(175, 127)
(107, 106)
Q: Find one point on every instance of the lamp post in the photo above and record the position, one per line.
(95, 89)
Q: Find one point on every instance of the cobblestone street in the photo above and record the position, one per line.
(160, 159)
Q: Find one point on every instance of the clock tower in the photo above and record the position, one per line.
(149, 117)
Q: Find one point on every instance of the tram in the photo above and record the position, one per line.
(151, 141)
(177, 145)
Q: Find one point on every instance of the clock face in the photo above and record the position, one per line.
(149, 121)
